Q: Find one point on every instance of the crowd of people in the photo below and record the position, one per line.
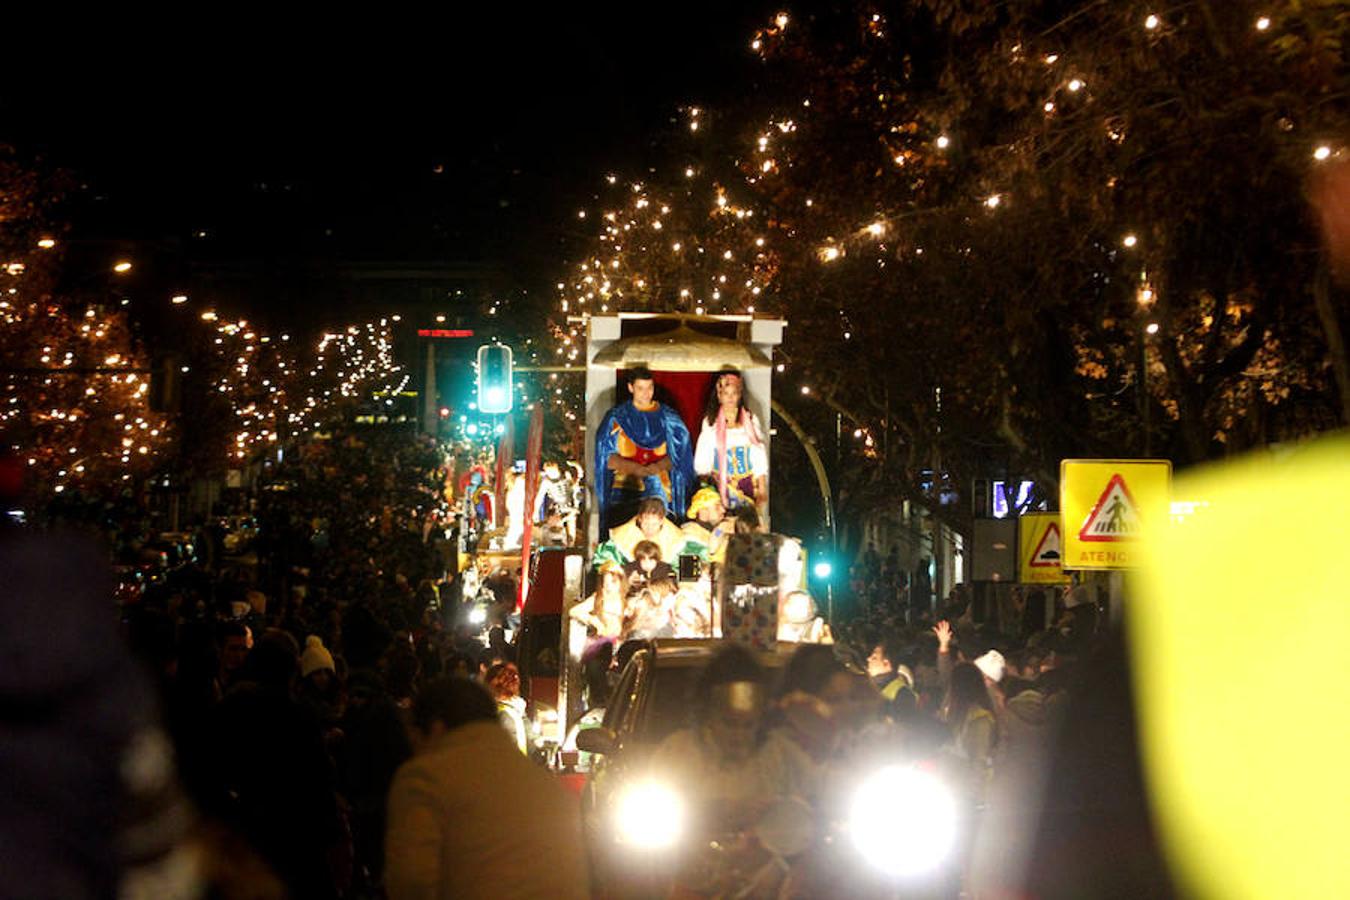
(877, 583)
(297, 695)
(287, 679)
(942, 692)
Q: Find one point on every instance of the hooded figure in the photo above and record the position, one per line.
(90, 806)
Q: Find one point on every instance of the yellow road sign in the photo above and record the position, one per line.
(1040, 544)
(1109, 507)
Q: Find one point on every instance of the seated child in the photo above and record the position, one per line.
(647, 568)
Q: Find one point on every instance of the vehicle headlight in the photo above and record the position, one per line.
(903, 821)
(648, 815)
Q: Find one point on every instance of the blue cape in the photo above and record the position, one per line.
(651, 429)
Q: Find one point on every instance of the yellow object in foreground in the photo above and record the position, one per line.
(1238, 629)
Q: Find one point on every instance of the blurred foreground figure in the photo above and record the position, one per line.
(1247, 773)
(89, 803)
(469, 816)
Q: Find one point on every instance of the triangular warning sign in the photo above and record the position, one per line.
(1047, 553)
(1115, 515)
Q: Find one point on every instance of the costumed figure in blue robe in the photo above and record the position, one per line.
(642, 449)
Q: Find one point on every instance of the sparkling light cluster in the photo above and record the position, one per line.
(74, 394)
(693, 244)
(275, 391)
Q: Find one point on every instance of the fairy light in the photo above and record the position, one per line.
(943, 142)
(1263, 23)
(1129, 240)
(72, 427)
(1151, 22)
(1322, 152)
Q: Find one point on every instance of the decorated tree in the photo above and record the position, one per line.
(1008, 234)
(1038, 231)
(251, 391)
(682, 239)
(75, 407)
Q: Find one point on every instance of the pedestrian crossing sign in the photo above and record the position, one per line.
(1041, 549)
(1108, 506)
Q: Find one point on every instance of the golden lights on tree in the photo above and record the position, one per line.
(74, 395)
(276, 389)
(866, 186)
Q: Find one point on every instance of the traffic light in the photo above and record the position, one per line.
(495, 391)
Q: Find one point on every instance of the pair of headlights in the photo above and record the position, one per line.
(901, 820)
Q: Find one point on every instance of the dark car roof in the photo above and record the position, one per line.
(697, 651)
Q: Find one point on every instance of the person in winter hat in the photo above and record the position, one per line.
(320, 689)
(991, 666)
(315, 657)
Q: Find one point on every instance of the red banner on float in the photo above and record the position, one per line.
(534, 449)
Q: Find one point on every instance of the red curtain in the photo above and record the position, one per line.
(687, 392)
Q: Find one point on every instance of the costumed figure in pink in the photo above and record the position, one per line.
(730, 452)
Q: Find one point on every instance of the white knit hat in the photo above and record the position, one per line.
(315, 657)
(992, 665)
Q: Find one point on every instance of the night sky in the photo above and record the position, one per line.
(252, 143)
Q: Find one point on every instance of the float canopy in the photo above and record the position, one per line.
(681, 350)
